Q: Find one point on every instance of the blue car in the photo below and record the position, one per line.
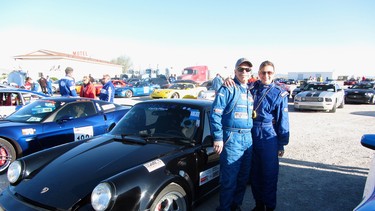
(368, 200)
(139, 89)
(52, 121)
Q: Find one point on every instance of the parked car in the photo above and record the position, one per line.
(368, 200)
(52, 121)
(161, 81)
(291, 81)
(158, 157)
(320, 96)
(118, 83)
(350, 82)
(12, 99)
(207, 95)
(55, 86)
(360, 93)
(178, 90)
(138, 89)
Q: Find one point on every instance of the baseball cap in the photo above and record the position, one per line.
(243, 60)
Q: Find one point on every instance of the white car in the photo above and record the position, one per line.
(12, 99)
(368, 200)
(207, 95)
(320, 96)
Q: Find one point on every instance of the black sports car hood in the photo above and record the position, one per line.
(73, 175)
(359, 91)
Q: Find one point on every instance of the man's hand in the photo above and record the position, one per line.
(229, 82)
(218, 146)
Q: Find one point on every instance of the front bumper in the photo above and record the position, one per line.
(320, 106)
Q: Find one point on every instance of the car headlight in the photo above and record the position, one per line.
(328, 99)
(101, 196)
(297, 98)
(14, 173)
(369, 94)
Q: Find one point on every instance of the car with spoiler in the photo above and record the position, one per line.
(52, 121)
(320, 96)
(158, 157)
(179, 90)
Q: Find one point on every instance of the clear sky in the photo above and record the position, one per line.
(297, 35)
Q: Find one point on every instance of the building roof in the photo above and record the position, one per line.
(47, 54)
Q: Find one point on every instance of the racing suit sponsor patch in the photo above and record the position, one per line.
(240, 115)
(153, 165)
(219, 111)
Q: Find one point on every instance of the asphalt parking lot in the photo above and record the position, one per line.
(324, 167)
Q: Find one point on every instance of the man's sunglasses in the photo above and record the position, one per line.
(241, 69)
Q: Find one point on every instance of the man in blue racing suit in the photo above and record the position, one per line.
(270, 133)
(67, 85)
(231, 123)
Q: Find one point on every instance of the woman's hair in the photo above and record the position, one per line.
(266, 63)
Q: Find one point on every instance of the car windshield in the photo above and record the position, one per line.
(319, 87)
(160, 120)
(362, 86)
(178, 86)
(36, 111)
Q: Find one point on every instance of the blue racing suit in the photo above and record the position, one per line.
(270, 133)
(107, 93)
(231, 122)
(67, 86)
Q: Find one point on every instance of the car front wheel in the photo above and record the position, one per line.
(172, 197)
(128, 94)
(7, 154)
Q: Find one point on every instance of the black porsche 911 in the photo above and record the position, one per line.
(158, 157)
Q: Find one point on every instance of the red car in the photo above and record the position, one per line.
(350, 82)
(118, 83)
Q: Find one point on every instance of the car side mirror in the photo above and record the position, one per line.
(208, 141)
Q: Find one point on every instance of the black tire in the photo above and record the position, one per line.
(172, 197)
(129, 94)
(334, 108)
(7, 154)
(373, 100)
(342, 104)
(175, 95)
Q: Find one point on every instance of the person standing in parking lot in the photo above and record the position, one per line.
(217, 82)
(87, 88)
(67, 85)
(107, 93)
(231, 125)
(270, 135)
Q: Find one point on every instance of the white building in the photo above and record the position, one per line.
(307, 75)
(53, 63)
